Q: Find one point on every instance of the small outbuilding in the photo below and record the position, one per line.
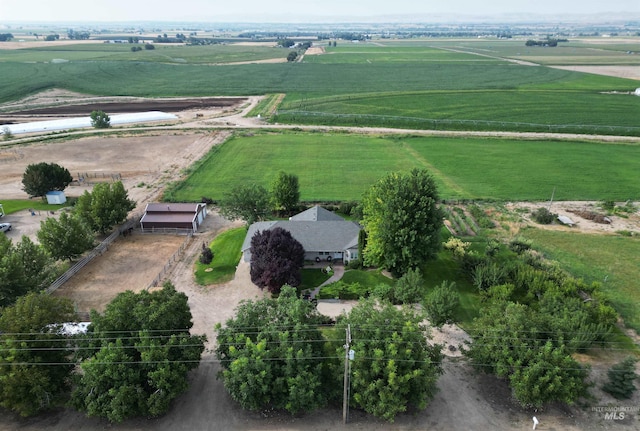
(174, 216)
(56, 198)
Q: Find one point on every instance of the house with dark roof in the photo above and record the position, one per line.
(325, 236)
(179, 216)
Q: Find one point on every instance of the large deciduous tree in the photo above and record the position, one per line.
(40, 178)
(394, 367)
(285, 192)
(106, 206)
(271, 354)
(276, 259)
(34, 356)
(402, 221)
(24, 267)
(140, 352)
(66, 237)
(248, 202)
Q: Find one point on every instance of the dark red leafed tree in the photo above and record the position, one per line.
(276, 259)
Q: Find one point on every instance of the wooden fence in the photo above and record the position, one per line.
(167, 230)
(92, 178)
(101, 248)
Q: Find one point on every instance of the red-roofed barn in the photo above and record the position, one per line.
(180, 216)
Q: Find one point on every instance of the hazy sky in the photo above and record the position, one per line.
(290, 11)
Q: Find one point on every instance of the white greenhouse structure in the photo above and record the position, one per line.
(81, 122)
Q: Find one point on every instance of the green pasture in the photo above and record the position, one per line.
(226, 250)
(610, 260)
(334, 167)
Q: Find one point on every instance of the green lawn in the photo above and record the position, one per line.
(14, 205)
(366, 278)
(226, 249)
(312, 278)
(610, 260)
(446, 268)
(335, 167)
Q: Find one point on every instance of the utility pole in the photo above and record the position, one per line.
(551, 201)
(345, 395)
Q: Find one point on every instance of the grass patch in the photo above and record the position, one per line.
(312, 278)
(266, 107)
(226, 249)
(366, 278)
(445, 268)
(610, 260)
(354, 284)
(11, 206)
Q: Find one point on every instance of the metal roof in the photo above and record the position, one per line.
(173, 207)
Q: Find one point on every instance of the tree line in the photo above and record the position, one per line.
(133, 359)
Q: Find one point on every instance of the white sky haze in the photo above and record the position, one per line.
(292, 11)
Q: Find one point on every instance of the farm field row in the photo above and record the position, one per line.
(427, 84)
(179, 54)
(334, 167)
(535, 110)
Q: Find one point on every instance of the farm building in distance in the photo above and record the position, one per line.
(179, 216)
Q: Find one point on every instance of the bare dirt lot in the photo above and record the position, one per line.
(466, 401)
(569, 209)
(135, 105)
(619, 71)
(130, 263)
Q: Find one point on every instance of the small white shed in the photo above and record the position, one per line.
(56, 198)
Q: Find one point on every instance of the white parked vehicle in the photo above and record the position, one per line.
(5, 227)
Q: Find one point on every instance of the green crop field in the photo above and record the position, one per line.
(516, 110)
(179, 54)
(341, 167)
(450, 84)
